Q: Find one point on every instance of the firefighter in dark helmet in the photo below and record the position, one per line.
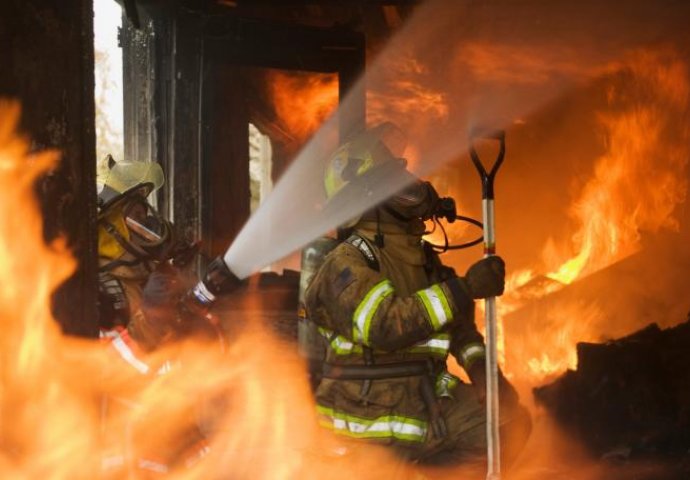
(391, 313)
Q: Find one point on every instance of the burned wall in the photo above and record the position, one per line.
(46, 51)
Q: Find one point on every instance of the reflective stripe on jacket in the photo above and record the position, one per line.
(436, 345)
(395, 426)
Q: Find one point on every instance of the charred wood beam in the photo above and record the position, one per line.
(629, 395)
(261, 43)
(46, 48)
(225, 159)
(344, 3)
(132, 13)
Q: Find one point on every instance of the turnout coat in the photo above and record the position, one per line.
(384, 310)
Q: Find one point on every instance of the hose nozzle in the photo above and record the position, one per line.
(217, 280)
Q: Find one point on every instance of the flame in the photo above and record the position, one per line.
(516, 64)
(406, 95)
(630, 192)
(634, 187)
(303, 100)
(33, 435)
(551, 350)
(72, 408)
(253, 401)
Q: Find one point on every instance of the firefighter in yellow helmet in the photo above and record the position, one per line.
(137, 287)
(391, 314)
(140, 285)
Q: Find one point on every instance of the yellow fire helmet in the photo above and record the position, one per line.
(121, 179)
(367, 161)
(117, 186)
(380, 146)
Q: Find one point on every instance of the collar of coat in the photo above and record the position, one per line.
(399, 242)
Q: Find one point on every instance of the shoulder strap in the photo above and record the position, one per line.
(365, 248)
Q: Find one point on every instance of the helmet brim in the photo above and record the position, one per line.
(109, 198)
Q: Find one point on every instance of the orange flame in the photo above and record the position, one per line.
(34, 437)
(407, 94)
(303, 101)
(407, 98)
(252, 403)
(515, 64)
(635, 186)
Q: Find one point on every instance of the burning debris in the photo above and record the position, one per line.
(629, 399)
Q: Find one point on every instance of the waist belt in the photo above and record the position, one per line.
(377, 372)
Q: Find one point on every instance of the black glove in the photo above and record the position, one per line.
(162, 289)
(486, 278)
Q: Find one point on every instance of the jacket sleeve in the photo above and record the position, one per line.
(466, 343)
(355, 301)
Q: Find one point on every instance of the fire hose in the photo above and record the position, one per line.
(217, 280)
(492, 413)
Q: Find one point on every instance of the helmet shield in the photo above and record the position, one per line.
(123, 178)
(368, 154)
(148, 230)
(419, 200)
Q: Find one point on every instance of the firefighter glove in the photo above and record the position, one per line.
(163, 288)
(486, 278)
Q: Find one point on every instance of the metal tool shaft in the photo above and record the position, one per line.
(492, 411)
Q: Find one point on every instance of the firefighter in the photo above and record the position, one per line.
(391, 313)
(132, 244)
(140, 284)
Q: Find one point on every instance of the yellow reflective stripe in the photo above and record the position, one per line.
(470, 353)
(445, 382)
(438, 343)
(361, 320)
(436, 305)
(338, 343)
(342, 346)
(387, 426)
(330, 183)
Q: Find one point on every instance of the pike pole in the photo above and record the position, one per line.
(492, 414)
